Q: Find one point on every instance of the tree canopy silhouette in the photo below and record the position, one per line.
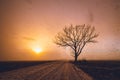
(76, 37)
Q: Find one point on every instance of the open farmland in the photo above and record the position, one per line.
(59, 70)
(101, 70)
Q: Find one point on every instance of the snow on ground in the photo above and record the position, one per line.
(47, 71)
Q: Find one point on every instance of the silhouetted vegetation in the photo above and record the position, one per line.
(76, 37)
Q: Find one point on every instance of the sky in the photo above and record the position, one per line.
(26, 24)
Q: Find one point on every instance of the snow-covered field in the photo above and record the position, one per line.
(47, 71)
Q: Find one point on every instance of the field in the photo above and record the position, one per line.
(60, 70)
(101, 70)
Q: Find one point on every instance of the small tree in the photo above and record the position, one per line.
(76, 37)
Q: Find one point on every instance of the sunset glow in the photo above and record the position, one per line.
(28, 28)
(37, 50)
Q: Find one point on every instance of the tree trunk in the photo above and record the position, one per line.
(75, 58)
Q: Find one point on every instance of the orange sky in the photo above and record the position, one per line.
(28, 23)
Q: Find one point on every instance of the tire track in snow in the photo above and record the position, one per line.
(48, 71)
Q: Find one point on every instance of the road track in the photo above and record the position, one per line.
(47, 71)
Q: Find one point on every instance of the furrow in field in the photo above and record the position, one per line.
(21, 73)
(39, 75)
(47, 71)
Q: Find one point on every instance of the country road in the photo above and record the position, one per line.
(47, 71)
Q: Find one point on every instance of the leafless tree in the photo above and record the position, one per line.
(76, 37)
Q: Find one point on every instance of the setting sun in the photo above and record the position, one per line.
(37, 50)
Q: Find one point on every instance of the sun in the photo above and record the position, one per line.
(37, 50)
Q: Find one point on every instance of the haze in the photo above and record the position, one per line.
(25, 24)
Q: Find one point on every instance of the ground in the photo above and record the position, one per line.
(101, 70)
(48, 71)
(60, 70)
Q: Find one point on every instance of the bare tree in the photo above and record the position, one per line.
(76, 37)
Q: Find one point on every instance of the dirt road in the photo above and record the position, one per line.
(47, 71)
